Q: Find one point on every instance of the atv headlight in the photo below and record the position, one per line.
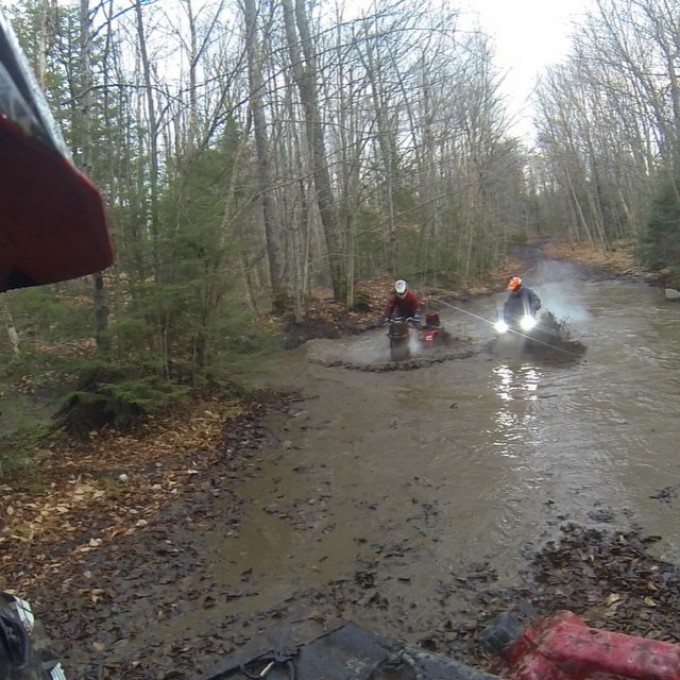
(527, 322)
(500, 326)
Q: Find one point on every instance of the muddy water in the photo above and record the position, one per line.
(470, 459)
(420, 473)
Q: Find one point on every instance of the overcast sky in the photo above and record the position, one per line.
(529, 34)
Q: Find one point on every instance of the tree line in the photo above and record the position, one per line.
(608, 131)
(251, 150)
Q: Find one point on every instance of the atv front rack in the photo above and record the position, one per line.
(306, 649)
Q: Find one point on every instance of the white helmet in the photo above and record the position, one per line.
(400, 287)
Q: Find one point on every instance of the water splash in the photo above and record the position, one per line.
(561, 291)
(414, 346)
(372, 349)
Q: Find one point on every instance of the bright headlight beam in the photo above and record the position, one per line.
(527, 323)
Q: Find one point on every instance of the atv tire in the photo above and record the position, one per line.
(399, 350)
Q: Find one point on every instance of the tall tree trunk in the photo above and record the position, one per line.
(101, 313)
(151, 186)
(7, 321)
(305, 75)
(152, 137)
(272, 226)
(374, 72)
(192, 131)
(45, 28)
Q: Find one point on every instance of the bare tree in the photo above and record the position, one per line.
(303, 63)
(269, 212)
(609, 118)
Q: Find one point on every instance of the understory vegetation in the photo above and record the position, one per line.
(253, 154)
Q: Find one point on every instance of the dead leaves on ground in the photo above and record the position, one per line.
(617, 259)
(107, 488)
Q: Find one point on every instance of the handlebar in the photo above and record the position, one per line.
(401, 319)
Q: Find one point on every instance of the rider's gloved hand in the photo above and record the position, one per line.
(416, 318)
(386, 319)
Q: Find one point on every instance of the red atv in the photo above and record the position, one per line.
(408, 337)
(432, 334)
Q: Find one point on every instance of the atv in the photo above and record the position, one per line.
(25, 652)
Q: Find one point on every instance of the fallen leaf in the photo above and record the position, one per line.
(612, 598)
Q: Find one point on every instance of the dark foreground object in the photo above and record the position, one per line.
(52, 223)
(549, 341)
(25, 652)
(306, 650)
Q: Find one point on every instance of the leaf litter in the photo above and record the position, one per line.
(113, 569)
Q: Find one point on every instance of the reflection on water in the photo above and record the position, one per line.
(516, 419)
(599, 431)
(517, 383)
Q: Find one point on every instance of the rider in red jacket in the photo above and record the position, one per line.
(404, 301)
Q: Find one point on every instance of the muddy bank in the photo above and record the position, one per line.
(143, 608)
(106, 546)
(597, 264)
(335, 323)
(176, 596)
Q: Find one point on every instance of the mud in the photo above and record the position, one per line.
(457, 348)
(159, 617)
(331, 321)
(419, 504)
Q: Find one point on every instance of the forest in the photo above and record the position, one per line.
(253, 152)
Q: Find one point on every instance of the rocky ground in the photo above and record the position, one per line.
(109, 547)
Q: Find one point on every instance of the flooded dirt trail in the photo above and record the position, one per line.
(471, 459)
(390, 497)
(385, 488)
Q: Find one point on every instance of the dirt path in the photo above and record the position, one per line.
(299, 511)
(195, 584)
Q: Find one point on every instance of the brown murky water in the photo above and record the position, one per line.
(471, 459)
(423, 472)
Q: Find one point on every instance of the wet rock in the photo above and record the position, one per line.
(604, 515)
(665, 495)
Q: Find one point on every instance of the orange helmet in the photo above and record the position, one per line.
(514, 283)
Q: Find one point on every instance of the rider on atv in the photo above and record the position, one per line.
(404, 301)
(521, 302)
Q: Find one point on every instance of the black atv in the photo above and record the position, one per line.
(25, 652)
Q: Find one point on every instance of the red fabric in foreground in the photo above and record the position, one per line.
(52, 222)
(563, 647)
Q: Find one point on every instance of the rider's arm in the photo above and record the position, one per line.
(392, 303)
(534, 301)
